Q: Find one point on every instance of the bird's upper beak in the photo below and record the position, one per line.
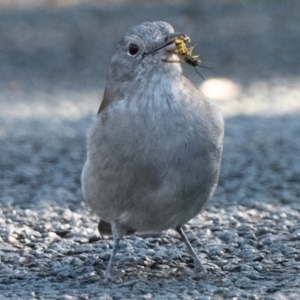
(169, 43)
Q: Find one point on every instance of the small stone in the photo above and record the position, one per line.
(227, 236)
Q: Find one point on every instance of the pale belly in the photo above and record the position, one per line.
(153, 194)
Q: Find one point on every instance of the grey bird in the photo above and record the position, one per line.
(154, 150)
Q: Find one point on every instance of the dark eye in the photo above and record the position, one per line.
(133, 49)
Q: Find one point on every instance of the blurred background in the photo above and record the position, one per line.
(61, 47)
(54, 56)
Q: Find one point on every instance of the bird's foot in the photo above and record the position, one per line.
(111, 275)
(200, 272)
(197, 273)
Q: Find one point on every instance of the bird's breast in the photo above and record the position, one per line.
(150, 164)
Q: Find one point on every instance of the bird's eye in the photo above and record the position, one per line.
(133, 49)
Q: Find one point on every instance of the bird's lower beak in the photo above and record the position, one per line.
(169, 43)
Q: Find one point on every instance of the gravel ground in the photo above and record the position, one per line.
(54, 61)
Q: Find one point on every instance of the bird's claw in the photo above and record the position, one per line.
(112, 276)
(198, 272)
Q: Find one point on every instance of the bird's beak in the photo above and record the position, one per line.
(169, 43)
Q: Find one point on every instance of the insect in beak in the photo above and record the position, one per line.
(184, 53)
(169, 42)
(176, 44)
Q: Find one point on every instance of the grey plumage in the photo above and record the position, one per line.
(154, 151)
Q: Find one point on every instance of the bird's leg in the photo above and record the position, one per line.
(110, 274)
(113, 255)
(199, 268)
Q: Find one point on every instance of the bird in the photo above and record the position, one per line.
(154, 150)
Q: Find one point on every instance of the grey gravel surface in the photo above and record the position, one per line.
(249, 234)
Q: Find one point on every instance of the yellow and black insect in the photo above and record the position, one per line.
(186, 53)
(180, 43)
